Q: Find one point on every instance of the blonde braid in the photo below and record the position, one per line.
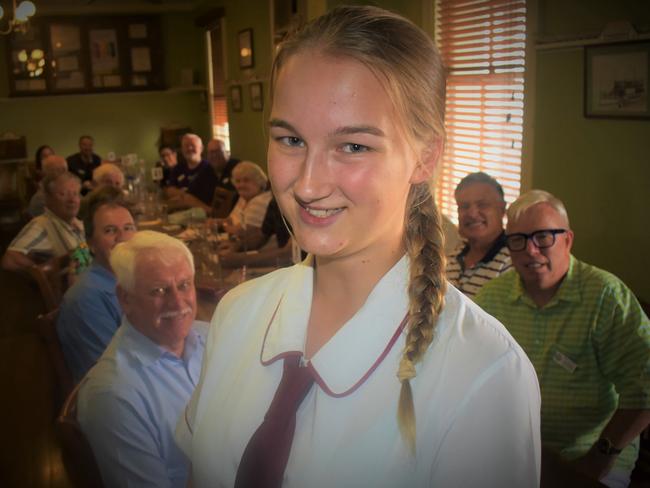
(424, 244)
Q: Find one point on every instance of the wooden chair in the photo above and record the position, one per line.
(47, 330)
(51, 277)
(78, 457)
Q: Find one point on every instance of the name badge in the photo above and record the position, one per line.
(181, 177)
(564, 361)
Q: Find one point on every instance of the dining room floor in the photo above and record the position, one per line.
(29, 454)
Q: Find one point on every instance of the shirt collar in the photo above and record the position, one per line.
(76, 224)
(102, 271)
(341, 365)
(492, 252)
(147, 352)
(569, 290)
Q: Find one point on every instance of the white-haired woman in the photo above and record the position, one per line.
(360, 366)
(251, 184)
(108, 174)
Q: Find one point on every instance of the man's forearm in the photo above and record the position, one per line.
(16, 261)
(625, 425)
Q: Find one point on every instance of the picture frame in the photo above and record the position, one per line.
(617, 79)
(246, 54)
(236, 102)
(257, 96)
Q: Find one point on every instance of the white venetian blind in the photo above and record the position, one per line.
(482, 43)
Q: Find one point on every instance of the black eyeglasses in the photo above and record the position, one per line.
(541, 238)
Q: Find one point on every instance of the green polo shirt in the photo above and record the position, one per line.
(590, 346)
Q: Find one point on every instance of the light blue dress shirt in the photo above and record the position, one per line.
(130, 402)
(89, 315)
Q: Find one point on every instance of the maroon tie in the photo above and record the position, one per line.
(265, 457)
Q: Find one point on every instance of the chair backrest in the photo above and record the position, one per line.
(51, 277)
(78, 457)
(47, 330)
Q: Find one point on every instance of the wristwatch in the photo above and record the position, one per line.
(605, 446)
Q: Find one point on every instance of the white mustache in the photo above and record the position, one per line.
(175, 313)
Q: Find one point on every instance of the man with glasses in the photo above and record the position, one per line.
(586, 335)
(482, 255)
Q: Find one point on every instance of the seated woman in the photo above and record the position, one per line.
(251, 184)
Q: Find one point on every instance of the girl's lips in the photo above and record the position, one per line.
(319, 216)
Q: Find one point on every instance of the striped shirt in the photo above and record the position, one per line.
(49, 236)
(590, 346)
(251, 213)
(469, 280)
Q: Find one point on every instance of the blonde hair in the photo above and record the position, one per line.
(125, 255)
(533, 197)
(407, 64)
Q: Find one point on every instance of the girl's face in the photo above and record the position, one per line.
(339, 165)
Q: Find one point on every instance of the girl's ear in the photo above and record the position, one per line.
(426, 167)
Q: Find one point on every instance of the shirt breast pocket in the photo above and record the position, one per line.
(569, 375)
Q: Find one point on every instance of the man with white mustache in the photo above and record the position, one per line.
(586, 335)
(131, 399)
(482, 254)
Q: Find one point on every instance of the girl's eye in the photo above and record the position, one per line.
(291, 141)
(354, 148)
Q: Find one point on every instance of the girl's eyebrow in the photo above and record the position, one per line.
(346, 130)
(283, 124)
(360, 129)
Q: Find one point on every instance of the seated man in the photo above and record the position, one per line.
(586, 335)
(130, 401)
(53, 234)
(84, 162)
(51, 165)
(221, 166)
(192, 180)
(90, 314)
(484, 255)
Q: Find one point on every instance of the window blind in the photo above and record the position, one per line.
(482, 43)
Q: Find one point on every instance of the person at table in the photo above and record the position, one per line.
(192, 180)
(42, 152)
(168, 161)
(51, 165)
(389, 378)
(256, 246)
(225, 196)
(90, 313)
(108, 174)
(54, 233)
(221, 164)
(587, 336)
(251, 184)
(483, 254)
(131, 399)
(84, 162)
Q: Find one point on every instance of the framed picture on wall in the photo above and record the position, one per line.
(257, 98)
(236, 98)
(617, 80)
(246, 56)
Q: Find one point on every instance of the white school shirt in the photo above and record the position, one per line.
(476, 394)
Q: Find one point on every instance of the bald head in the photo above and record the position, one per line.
(54, 164)
(216, 155)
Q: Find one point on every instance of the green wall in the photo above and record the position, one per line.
(600, 168)
(123, 123)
